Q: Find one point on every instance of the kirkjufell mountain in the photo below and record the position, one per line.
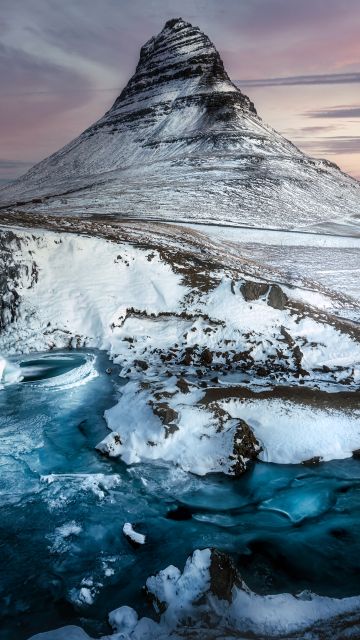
(183, 143)
(180, 442)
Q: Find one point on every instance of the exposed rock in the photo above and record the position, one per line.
(298, 356)
(277, 298)
(141, 364)
(246, 447)
(224, 576)
(188, 356)
(111, 445)
(206, 357)
(170, 429)
(312, 461)
(253, 290)
(165, 413)
(262, 372)
(187, 359)
(286, 335)
(244, 357)
(183, 385)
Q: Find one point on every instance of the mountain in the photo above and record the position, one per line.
(183, 143)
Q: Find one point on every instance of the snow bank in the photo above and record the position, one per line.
(195, 442)
(291, 433)
(81, 289)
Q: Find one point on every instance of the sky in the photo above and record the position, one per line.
(63, 63)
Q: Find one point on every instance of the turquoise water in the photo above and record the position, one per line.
(63, 506)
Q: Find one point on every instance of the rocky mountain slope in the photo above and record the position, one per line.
(182, 142)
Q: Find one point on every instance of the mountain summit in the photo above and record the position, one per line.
(182, 142)
(181, 62)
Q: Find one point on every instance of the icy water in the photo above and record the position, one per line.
(64, 558)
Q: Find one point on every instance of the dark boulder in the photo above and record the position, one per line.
(312, 461)
(141, 364)
(183, 385)
(206, 357)
(246, 447)
(253, 290)
(166, 414)
(224, 576)
(277, 298)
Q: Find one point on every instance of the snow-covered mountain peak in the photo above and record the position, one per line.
(182, 142)
(182, 63)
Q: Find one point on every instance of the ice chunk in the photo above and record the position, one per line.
(10, 372)
(134, 536)
(123, 620)
(299, 504)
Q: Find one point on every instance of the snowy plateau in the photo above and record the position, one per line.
(218, 267)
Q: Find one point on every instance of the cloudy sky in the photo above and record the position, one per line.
(63, 62)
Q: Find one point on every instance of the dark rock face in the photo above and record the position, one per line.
(206, 358)
(253, 290)
(180, 52)
(277, 298)
(224, 576)
(141, 364)
(312, 461)
(166, 414)
(246, 447)
(182, 385)
(10, 276)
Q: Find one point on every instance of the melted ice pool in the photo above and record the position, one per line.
(63, 507)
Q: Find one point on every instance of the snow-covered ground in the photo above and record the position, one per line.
(195, 329)
(174, 338)
(327, 260)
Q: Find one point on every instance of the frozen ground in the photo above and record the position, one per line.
(328, 260)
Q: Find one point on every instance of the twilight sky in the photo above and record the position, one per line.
(63, 62)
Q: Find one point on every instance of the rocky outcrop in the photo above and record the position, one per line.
(253, 290)
(277, 298)
(224, 576)
(246, 447)
(165, 413)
